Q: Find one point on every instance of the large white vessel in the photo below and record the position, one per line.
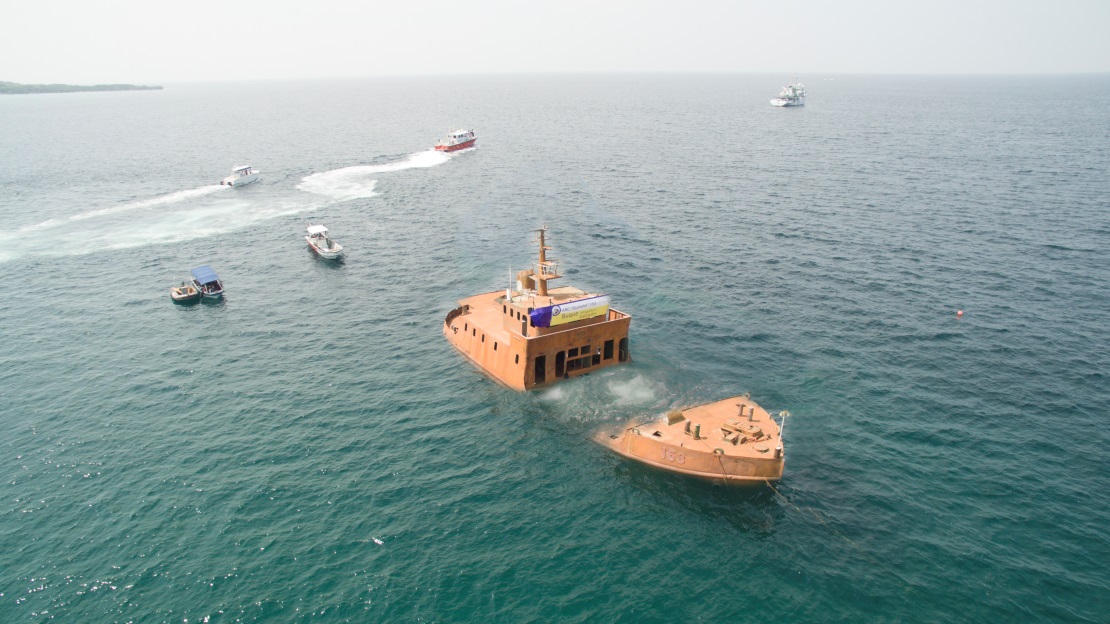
(793, 94)
(240, 175)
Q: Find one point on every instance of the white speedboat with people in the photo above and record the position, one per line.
(793, 94)
(243, 174)
(457, 140)
(207, 282)
(321, 243)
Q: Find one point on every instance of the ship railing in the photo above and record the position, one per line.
(456, 313)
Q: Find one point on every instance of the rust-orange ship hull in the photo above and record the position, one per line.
(527, 357)
(732, 440)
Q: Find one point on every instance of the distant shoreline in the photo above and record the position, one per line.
(14, 88)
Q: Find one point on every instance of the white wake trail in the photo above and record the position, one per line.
(161, 200)
(356, 182)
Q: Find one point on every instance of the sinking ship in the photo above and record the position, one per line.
(533, 335)
(733, 440)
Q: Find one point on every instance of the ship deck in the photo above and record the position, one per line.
(485, 310)
(485, 314)
(733, 439)
(753, 435)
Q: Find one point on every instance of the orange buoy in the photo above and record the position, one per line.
(959, 313)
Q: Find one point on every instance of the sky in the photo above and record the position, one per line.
(151, 41)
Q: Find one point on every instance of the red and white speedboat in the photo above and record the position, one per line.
(457, 140)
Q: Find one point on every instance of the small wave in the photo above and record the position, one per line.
(353, 183)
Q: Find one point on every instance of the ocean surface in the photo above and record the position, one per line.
(312, 449)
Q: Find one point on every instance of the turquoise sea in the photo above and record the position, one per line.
(312, 449)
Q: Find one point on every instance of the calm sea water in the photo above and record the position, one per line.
(242, 461)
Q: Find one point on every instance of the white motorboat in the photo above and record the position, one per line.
(793, 94)
(243, 174)
(321, 243)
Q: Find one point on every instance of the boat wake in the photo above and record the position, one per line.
(161, 200)
(356, 183)
(113, 228)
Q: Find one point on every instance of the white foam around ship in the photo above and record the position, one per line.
(632, 391)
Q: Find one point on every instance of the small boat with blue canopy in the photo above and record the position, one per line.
(207, 282)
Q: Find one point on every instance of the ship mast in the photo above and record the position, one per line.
(548, 269)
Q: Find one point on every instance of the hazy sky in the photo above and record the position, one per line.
(155, 41)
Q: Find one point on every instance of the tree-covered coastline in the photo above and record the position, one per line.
(12, 88)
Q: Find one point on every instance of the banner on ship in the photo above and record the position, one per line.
(551, 316)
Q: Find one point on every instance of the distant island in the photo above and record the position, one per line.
(12, 88)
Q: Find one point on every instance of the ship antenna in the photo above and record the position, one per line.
(547, 269)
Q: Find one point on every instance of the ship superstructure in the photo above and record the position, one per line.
(531, 335)
(793, 94)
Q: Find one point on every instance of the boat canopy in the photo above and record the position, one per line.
(317, 229)
(242, 168)
(205, 275)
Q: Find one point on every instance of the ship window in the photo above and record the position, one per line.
(541, 369)
(579, 363)
(517, 359)
(466, 327)
(597, 357)
(572, 353)
(585, 349)
(494, 345)
(474, 332)
(504, 309)
(608, 349)
(483, 337)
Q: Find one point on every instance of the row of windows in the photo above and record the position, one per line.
(516, 313)
(474, 332)
(565, 362)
